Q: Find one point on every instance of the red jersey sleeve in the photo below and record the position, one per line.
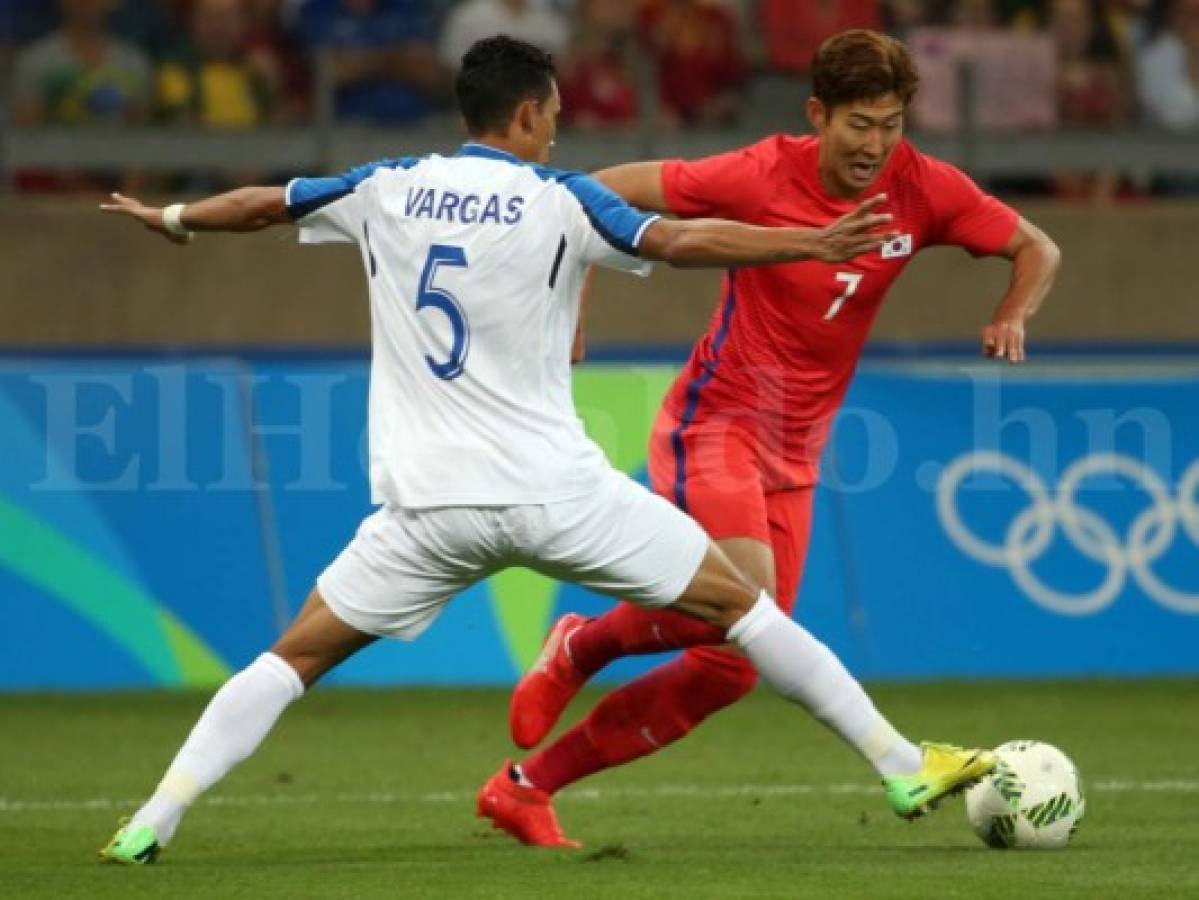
(727, 186)
(963, 215)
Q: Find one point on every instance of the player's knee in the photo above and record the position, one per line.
(719, 594)
(753, 560)
(309, 666)
(733, 603)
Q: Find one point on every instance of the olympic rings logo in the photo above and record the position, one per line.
(1030, 533)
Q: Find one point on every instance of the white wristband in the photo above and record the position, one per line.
(172, 220)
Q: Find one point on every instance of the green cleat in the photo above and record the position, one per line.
(132, 846)
(946, 770)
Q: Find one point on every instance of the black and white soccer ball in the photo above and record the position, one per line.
(1033, 799)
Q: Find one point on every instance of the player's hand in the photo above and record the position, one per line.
(1004, 339)
(150, 216)
(855, 233)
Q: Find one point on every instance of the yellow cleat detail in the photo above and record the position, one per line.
(945, 771)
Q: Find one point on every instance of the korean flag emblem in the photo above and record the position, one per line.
(897, 247)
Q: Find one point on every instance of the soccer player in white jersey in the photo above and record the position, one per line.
(477, 458)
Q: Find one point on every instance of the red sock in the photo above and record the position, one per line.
(643, 716)
(628, 630)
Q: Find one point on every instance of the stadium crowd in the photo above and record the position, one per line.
(1044, 64)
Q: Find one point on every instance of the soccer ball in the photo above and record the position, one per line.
(1033, 799)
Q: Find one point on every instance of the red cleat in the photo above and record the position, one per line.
(526, 813)
(546, 689)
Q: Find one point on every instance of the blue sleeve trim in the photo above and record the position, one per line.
(306, 195)
(618, 223)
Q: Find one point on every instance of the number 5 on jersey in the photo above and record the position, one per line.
(851, 280)
(428, 294)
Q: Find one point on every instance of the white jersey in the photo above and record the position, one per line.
(475, 264)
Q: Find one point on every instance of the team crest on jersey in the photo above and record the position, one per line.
(897, 247)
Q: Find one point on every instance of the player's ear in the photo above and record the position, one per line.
(526, 116)
(817, 113)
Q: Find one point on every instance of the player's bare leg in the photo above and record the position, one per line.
(235, 723)
(576, 648)
(317, 640)
(805, 671)
(793, 662)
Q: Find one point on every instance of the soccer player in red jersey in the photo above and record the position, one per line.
(738, 440)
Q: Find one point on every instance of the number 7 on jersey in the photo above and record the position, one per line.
(851, 280)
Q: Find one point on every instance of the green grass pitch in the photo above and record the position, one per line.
(370, 794)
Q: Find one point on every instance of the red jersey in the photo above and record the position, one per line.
(784, 342)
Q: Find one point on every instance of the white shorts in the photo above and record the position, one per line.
(404, 565)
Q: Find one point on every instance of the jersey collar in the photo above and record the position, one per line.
(470, 148)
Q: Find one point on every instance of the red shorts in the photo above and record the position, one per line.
(727, 481)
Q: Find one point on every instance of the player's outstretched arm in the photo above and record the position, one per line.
(717, 242)
(245, 209)
(1035, 260)
(639, 183)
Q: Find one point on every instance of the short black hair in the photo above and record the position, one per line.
(860, 64)
(497, 75)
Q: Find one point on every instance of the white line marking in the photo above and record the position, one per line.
(11, 805)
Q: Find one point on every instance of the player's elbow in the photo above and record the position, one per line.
(679, 253)
(1049, 252)
(640, 184)
(1039, 248)
(261, 206)
(674, 243)
(1054, 255)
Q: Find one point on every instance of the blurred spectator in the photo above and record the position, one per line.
(8, 35)
(1026, 15)
(1155, 16)
(901, 16)
(1168, 70)
(1091, 82)
(145, 23)
(1012, 77)
(794, 29)
(275, 51)
(696, 46)
(24, 21)
(1092, 86)
(210, 80)
(381, 56)
(9, 12)
(530, 20)
(1127, 20)
(596, 80)
(80, 73)
(973, 15)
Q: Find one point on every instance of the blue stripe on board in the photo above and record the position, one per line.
(693, 390)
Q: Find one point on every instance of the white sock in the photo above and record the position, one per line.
(237, 719)
(805, 671)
